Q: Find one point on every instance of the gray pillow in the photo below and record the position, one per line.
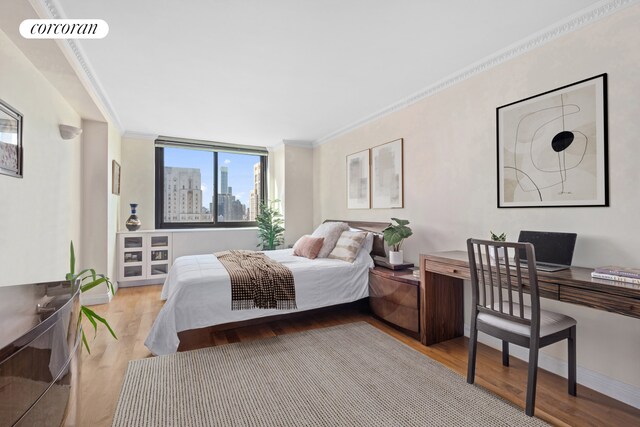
(331, 232)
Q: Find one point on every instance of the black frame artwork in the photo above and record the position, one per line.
(11, 153)
(552, 148)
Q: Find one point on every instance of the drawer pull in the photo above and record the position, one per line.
(453, 270)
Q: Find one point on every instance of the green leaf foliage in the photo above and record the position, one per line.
(270, 226)
(395, 234)
(498, 237)
(88, 279)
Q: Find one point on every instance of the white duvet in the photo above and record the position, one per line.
(198, 292)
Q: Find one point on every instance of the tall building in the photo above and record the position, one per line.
(229, 208)
(224, 180)
(183, 195)
(256, 193)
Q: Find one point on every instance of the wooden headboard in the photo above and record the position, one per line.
(374, 227)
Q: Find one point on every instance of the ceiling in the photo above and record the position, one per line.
(260, 72)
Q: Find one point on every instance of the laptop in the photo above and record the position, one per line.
(554, 251)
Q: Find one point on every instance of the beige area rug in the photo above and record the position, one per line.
(348, 375)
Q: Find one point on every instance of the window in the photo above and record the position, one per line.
(206, 184)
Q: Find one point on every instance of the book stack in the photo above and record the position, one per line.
(620, 274)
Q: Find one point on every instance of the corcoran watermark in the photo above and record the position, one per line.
(64, 29)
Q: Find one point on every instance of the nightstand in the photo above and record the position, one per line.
(394, 296)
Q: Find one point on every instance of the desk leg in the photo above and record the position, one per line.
(441, 308)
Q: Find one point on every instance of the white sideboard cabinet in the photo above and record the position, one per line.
(144, 257)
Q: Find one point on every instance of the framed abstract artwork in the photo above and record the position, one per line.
(358, 195)
(387, 183)
(552, 148)
(10, 141)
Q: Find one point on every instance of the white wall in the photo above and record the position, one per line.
(298, 209)
(40, 213)
(138, 181)
(101, 209)
(450, 175)
(208, 241)
(114, 150)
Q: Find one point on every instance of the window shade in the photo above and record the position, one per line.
(163, 141)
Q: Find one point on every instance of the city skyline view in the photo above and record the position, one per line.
(189, 180)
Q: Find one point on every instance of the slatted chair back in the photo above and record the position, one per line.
(497, 284)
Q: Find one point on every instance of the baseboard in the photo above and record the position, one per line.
(618, 390)
(95, 299)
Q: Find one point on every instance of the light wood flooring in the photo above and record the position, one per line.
(133, 310)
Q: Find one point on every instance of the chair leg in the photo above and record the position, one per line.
(532, 379)
(473, 345)
(572, 377)
(505, 353)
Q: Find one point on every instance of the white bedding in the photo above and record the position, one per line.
(198, 292)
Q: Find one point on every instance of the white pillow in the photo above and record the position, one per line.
(348, 245)
(368, 242)
(367, 246)
(331, 232)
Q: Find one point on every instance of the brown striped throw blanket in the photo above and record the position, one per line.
(257, 281)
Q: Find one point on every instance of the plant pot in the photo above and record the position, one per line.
(500, 253)
(396, 257)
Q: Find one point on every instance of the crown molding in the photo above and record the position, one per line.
(298, 143)
(573, 22)
(77, 58)
(140, 135)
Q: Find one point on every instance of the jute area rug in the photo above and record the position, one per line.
(348, 375)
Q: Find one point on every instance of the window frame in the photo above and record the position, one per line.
(160, 223)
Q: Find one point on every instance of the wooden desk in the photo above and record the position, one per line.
(441, 293)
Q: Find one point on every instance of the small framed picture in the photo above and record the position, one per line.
(10, 141)
(115, 177)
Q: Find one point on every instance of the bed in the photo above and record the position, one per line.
(198, 290)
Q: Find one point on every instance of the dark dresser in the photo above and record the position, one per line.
(394, 296)
(39, 349)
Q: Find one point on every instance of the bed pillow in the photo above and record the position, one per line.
(331, 232)
(367, 245)
(348, 245)
(308, 246)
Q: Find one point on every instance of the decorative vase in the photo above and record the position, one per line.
(396, 257)
(133, 223)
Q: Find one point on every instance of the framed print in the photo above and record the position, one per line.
(358, 180)
(552, 148)
(115, 177)
(387, 184)
(10, 141)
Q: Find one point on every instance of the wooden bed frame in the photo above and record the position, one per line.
(200, 334)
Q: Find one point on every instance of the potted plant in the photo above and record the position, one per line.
(498, 238)
(88, 279)
(270, 226)
(394, 235)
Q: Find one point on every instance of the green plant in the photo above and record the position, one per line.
(270, 226)
(394, 234)
(498, 237)
(88, 279)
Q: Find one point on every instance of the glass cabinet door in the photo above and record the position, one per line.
(159, 241)
(133, 242)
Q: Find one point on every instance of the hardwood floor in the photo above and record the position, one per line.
(133, 310)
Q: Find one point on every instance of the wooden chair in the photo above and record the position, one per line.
(498, 310)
